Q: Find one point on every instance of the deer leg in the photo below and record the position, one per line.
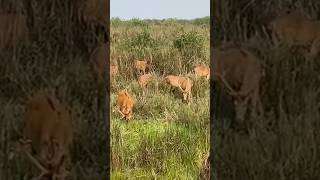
(129, 116)
(190, 96)
(185, 96)
(122, 115)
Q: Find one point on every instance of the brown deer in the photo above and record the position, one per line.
(125, 104)
(202, 71)
(144, 80)
(296, 28)
(183, 83)
(240, 72)
(49, 129)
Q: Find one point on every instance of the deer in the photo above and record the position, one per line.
(202, 71)
(48, 128)
(296, 28)
(239, 71)
(183, 83)
(125, 104)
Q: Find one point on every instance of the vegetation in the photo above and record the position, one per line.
(51, 60)
(167, 138)
(284, 143)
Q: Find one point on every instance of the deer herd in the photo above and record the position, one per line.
(145, 76)
(237, 69)
(49, 127)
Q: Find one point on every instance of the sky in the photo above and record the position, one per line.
(159, 9)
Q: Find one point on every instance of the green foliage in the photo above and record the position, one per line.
(115, 22)
(202, 21)
(137, 22)
(189, 44)
(171, 22)
(142, 42)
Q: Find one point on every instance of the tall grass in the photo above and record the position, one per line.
(52, 60)
(284, 143)
(167, 139)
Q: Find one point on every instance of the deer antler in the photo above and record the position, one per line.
(232, 92)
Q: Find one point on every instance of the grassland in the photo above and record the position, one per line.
(55, 60)
(284, 144)
(167, 139)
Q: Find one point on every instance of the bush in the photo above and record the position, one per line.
(140, 43)
(189, 44)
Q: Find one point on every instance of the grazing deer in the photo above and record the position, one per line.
(240, 72)
(125, 104)
(49, 129)
(183, 83)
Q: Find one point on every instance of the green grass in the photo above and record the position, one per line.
(167, 138)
